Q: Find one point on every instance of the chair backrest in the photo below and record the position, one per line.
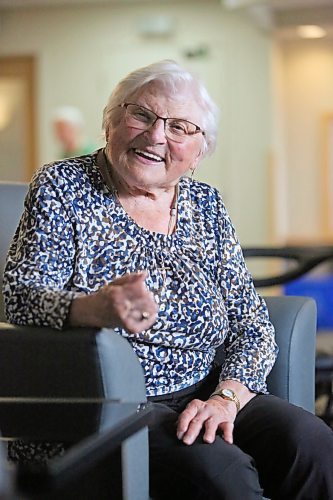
(293, 375)
(11, 207)
(310, 369)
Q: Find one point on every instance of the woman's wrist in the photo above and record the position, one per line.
(82, 312)
(227, 394)
(231, 390)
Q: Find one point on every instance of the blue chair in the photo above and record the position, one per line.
(300, 260)
(109, 366)
(79, 363)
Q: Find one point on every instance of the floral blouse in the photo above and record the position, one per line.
(74, 237)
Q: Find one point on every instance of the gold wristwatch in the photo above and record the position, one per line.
(229, 395)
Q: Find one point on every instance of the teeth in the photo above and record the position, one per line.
(148, 155)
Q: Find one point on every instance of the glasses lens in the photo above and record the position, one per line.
(139, 117)
(142, 118)
(180, 127)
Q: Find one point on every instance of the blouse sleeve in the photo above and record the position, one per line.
(41, 257)
(250, 347)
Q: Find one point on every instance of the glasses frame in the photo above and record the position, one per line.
(198, 130)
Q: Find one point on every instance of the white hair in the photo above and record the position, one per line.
(173, 78)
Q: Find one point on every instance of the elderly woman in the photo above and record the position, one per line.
(122, 238)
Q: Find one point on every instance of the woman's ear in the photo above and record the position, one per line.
(197, 159)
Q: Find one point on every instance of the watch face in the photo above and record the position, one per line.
(228, 393)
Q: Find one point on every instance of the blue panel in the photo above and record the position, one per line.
(321, 289)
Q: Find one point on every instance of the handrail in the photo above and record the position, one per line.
(306, 257)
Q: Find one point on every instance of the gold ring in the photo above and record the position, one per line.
(144, 315)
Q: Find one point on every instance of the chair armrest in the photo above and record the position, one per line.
(83, 363)
(293, 375)
(77, 362)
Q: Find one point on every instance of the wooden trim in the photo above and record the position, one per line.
(327, 188)
(271, 215)
(24, 67)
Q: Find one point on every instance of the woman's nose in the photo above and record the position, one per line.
(157, 131)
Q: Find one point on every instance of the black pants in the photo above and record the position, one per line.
(280, 451)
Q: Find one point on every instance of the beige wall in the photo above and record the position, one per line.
(303, 96)
(82, 52)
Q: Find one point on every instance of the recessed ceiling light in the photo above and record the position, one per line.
(311, 31)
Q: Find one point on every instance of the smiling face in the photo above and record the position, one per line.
(147, 159)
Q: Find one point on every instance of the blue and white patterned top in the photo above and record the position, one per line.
(74, 237)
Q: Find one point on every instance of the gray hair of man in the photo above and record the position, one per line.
(69, 114)
(177, 82)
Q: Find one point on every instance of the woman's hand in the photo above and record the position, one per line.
(125, 303)
(212, 415)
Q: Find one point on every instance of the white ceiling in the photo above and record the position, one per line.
(232, 4)
(279, 15)
(278, 4)
(283, 16)
(10, 4)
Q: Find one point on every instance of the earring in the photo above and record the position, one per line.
(192, 174)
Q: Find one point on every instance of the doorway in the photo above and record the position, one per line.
(17, 118)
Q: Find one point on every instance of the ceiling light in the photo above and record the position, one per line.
(311, 31)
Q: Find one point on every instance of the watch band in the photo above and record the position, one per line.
(229, 395)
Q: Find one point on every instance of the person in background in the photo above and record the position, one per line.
(68, 127)
(124, 238)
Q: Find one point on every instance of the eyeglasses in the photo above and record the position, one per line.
(142, 118)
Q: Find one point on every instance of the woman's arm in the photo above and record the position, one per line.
(125, 303)
(40, 259)
(42, 262)
(250, 347)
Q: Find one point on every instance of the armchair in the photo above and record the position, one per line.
(299, 260)
(90, 362)
(76, 363)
